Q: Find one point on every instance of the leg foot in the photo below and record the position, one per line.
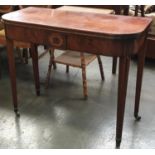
(118, 143)
(38, 92)
(17, 112)
(138, 118)
(85, 97)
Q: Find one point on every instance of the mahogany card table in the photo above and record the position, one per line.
(108, 35)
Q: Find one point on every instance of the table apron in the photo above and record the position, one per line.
(64, 40)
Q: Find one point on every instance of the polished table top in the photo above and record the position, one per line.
(108, 25)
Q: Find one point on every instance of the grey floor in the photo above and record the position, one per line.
(61, 118)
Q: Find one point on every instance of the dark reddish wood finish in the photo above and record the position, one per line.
(150, 50)
(108, 35)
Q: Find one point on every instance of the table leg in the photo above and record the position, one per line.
(141, 60)
(34, 54)
(124, 64)
(12, 71)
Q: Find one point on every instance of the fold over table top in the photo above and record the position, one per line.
(116, 26)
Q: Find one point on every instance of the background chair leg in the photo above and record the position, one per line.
(100, 67)
(49, 68)
(30, 53)
(83, 65)
(114, 65)
(67, 68)
(54, 65)
(45, 47)
(51, 52)
(19, 53)
(25, 55)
